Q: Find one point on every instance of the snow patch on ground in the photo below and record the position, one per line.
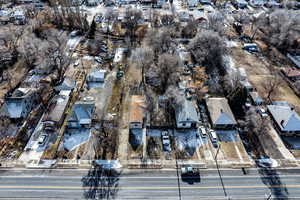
(75, 137)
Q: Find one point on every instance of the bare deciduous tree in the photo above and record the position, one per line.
(67, 17)
(254, 126)
(208, 49)
(216, 22)
(271, 85)
(281, 29)
(144, 58)
(160, 40)
(168, 66)
(167, 20)
(190, 30)
(175, 97)
(110, 16)
(132, 17)
(56, 50)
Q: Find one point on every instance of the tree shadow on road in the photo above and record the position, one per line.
(271, 178)
(100, 183)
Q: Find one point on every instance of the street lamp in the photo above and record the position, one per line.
(219, 146)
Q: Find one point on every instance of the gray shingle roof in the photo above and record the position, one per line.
(220, 112)
(82, 112)
(186, 112)
(285, 117)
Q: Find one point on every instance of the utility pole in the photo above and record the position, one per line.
(224, 190)
(178, 180)
(172, 123)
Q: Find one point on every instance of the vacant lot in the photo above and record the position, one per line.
(258, 71)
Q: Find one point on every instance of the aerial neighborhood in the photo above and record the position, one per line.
(150, 84)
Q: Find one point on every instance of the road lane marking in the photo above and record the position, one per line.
(147, 177)
(147, 188)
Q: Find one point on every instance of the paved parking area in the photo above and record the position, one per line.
(228, 136)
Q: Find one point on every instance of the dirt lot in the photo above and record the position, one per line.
(234, 151)
(258, 71)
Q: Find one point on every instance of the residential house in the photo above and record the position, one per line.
(292, 74)
(255, 98)
(295, 59)
(220, 113)
(160, 3)
(4, 19)
(92, 2)
(137, 112)
(82, 114)
(97, 76)
(119, 55)
(68, 84)
(286, 119)
(55, 114)
(20, 103)
(192, 3)
(19, 17)
(26, 1)
(186, 115)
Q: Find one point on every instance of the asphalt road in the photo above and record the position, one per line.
(135, 184)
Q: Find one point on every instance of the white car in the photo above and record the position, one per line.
(166, 143)
(203, 131)
(262, 112)
(266, 162)
(76, 63)
(42, 139)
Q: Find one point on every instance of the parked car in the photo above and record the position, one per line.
(202, 130)
(262, 111)
(239, 4)
(273, 4)
(166, 141)
(256, 3)
(74, 33)
(251, 47)
(42, 139)
(76, 63)
(213, 138)
(206, 2)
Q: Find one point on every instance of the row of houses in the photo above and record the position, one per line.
(285, 118)
(186, 115)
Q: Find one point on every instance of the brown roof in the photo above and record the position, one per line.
(291, 72)
(57, 109)
(137, 108)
